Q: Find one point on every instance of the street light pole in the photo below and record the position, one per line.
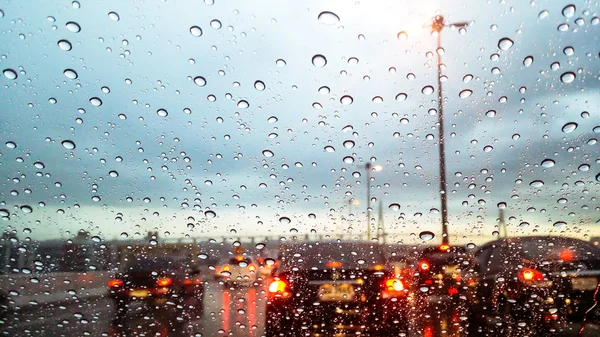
(437, 26)
(368, 167)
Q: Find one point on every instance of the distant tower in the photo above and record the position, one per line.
(380, 224)
(502, 224)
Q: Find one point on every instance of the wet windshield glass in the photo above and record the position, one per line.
(448, 150)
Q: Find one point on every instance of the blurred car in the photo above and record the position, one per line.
(239, 270)
(438, 276)
(155, 281)
(334, 288)
(538, 281)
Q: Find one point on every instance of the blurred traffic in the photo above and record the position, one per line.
(535, 286)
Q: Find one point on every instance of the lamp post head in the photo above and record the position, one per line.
(437, 24)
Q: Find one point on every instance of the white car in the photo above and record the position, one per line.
(238, 271)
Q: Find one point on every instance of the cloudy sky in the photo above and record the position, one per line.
(210, 118)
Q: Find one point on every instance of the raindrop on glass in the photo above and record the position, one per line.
(162, 112)
(536, 183)
(346, 100)
(465, 93)
(319, 61)
(349, 144)
(568, 77)
(268, 153)
(64, 45)
(200, 81)
(259, 85)
(568, 11)
(73, 26)
(548, 163)
(70, 74)
(328, 18)
(196, 31)
(426, 235)
(505, 43)
(569, 127)
(68, 144)
(114, 16)
(10, 74)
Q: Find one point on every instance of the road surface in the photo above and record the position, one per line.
(226, 312)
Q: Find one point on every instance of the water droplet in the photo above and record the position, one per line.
(268, 153)
(65, 45)
(488, 148)
(73, 26)
(11, 145)
(196, 31)
(319, 61)
(569, 127)
(259, 85)
(312, 215)
(401, 97)
(280, 63)
(10, 74)
(547, 163)
(427, 90)
(68, 144)
(501, 205)
(70, 74)
(26, 209)
(95, 101)
(329, 148)
(39, 165)
(536, 183)
(348, 159)
(200, 81)
(465, 93)
(346, 100)
(527, 61)
(568, 51)
(349, 144)
(114, 16)
(568, 11)
(285, 220)
(328, 18)
(584, 167)
(563, 27)
(162, 112)
(491, 113)
(568, 77)
(598, 177)
(210, 214)
(4, 212)
(394, 207)
(272, 119)
(113, 174)
(560, 224)
(216, 24)
(543, 14)
(243, 104)
(467, 78)
(505, 43)
(426, 235)
(402, 36)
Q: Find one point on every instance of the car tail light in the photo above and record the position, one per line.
(226, 268)
(533, 277)
(115, 283)
(164, 282)
(187, 282)
(444, 247)
(394, 284)
(424, 266)
(393, 287)
(251, 268)
(452, 291)
(529, 275)
(279, 289)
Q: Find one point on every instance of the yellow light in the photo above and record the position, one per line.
(277, 286)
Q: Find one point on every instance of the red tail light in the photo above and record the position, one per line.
(279, 288)
(424, 266)
(115, 283)
(393, 287)
(452, 291)
(394, 284)
(187, 282)
(164, 282)
(530, 275)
